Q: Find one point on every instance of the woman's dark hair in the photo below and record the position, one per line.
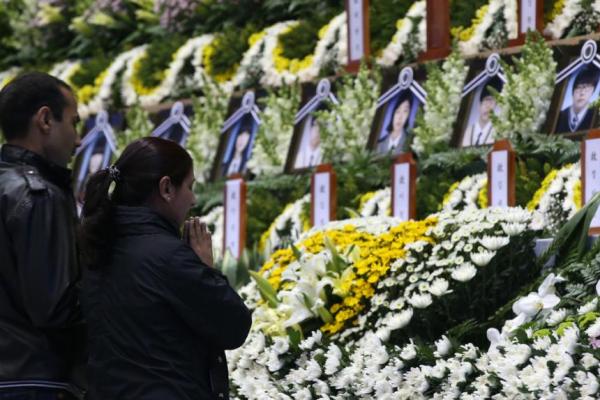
(136, 175)
(405, 96)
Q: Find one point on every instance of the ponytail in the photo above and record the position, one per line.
(135, 175)
(97, 215)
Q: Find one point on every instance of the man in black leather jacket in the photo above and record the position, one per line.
(40, 320)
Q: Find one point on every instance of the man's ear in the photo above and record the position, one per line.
(43, 119)
(165, 189)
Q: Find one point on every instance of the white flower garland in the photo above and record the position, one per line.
(473, 45)
(65, 70)
(215, 218)
(102, 97)
(166, 86)
(466, 194)
(378, 205)
(256, 53)
(330, 46)
(394, 49)
(290, 215)
(556, 28)
(557, 204)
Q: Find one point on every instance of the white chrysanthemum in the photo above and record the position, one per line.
(482, 258)
(464, 273)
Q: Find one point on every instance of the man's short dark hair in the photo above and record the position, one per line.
(587, 76)
(24, 96)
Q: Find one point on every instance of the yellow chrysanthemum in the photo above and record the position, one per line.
(482, 196)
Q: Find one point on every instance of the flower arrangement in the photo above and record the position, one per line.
(134, 89)
(409, 39)
(444, 84)
(278, 70)
(469, 193)
(525, 98)
(563, 16)
(209, 113)
(378, 203)
(420, 272)
(97, 96)
(275, 131)
(473, 39)
(8, 75)
(558, 198)
(286, 228)
(348, 121)
(65, 70)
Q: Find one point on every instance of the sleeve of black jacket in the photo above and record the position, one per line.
(41, 240)
(203, 298)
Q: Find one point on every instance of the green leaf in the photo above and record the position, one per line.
(266, 290)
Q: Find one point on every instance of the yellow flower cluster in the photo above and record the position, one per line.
(209, 52)
(557, 9)
(376, 254)
(140, 88)
(446, 198)
(482, 197)
(273, 268)
(87, 92)
(535, 201)
(577, 195)
(293, 65)
(364, 198)
(464, 34)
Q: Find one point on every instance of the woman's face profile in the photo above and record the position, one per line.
(401, 115)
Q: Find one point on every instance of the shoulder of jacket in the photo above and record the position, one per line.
(33, 179)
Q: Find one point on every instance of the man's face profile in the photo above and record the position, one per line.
(582, 93)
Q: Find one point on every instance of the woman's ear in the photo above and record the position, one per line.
(165, 189)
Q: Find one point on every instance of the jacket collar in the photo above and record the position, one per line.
(142, 220)
(54, 173)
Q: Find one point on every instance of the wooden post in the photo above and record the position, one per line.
(590, 173)
(530, 17)
(359, 48)
(501, 175)
(438, 30)
(323, 197)
(234, 238)
(404, 187)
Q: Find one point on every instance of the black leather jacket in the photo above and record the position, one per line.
(159, 318)
(40, 319)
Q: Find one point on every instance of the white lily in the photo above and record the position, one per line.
(533, 303)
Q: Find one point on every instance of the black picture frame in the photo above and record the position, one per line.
(241, 126)
(485, 77)
(577, 65)
(401, 92)
(302, 155)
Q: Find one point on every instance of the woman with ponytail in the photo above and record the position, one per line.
(159, 316)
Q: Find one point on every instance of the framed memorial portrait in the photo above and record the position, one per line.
(237, 137)
(305, 148)
(98, 145)
(576, 89)
(174, 123)
(401, 99)
(474, 124)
